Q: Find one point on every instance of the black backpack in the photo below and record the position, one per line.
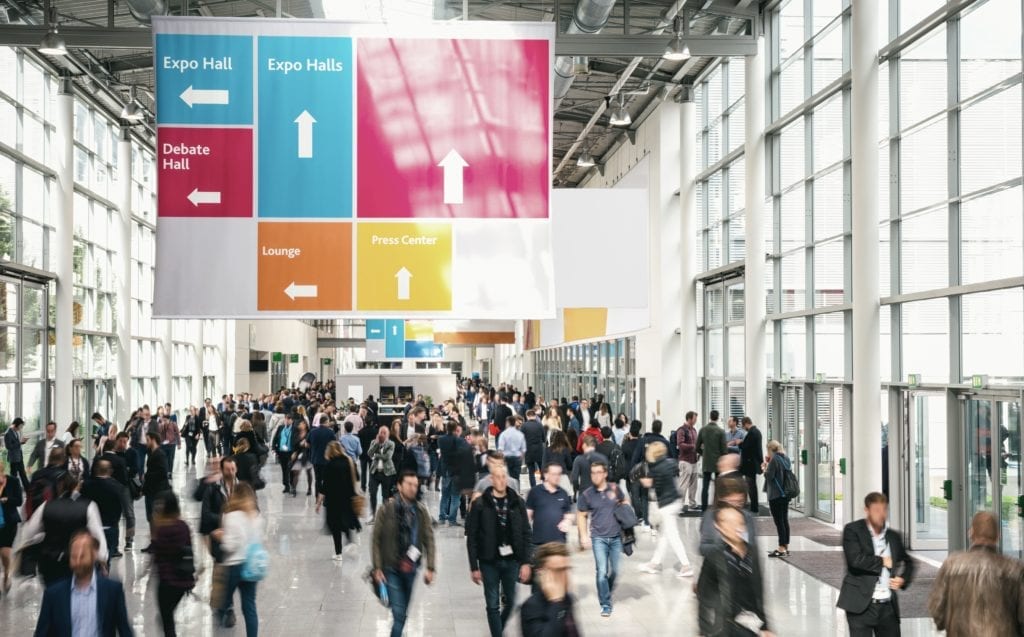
(616, 460)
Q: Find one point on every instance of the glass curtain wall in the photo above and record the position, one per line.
(585, 370)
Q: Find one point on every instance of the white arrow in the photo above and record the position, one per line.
(199, 196)
(300, 291)
(453, 163)
(201, 96)
(403, 277)
(305, 122)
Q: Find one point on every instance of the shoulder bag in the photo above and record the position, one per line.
(358, 500)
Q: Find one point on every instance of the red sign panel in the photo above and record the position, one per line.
(453, 128)
(204, 172)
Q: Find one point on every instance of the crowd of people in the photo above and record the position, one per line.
(592, 480)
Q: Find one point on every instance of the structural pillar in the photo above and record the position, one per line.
(197, 396)
(866, 434)
(691, 365)
(122, 236)
(754, 293)
(63, 247)
(665, 173)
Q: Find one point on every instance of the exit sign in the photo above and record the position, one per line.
(913, 380)
(294, 358)
(979, 381)
(326, 361)
(277, 357)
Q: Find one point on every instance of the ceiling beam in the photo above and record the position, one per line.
(629, 46)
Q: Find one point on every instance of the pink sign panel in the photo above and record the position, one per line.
(204, 172)
(453, 128)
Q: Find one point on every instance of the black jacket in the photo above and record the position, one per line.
(501, 414)
(664, 473)
(118, 467)
(863, 567)
(542, 618)
(213, 499)
(751, 453)
(482, 539)
(447, 444)
(717, 602)
(155, 480)
(533, 431)
(108, 494)
(641, 448)
(12, 440)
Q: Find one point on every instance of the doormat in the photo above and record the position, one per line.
(804, 527)
(830, 568)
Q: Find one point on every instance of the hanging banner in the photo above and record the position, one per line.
(312, 168)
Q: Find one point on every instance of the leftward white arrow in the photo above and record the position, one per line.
(300, 291)
(453, 165)
(203, 197)
(403, 277)
(305, 122)
(203, 96)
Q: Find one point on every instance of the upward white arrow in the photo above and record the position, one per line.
(305, 122)
(201, 96)
(403, 277)
(453, 164)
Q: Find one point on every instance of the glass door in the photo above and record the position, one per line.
(828, 448)
(794, 441)
(994, 483)
(925, 432)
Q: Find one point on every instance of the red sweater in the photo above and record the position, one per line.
(592, 430)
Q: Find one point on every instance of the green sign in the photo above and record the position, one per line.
(294, 358)
(819, 378)
(325, 361)
(913, 380)
(277, 357)
(978, 381)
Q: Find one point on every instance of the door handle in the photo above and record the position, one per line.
(947, 489)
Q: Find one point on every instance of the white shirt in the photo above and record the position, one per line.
(512, 443)
(882, 590)
(357, 422)
(240, 530)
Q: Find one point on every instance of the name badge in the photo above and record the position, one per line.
(504, 550)
(413, 554)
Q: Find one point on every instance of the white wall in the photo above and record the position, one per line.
(286, 336)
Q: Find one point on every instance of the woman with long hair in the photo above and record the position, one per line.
(558, 450)
(242, 527)
(70, 433)
(300, 458)
(76, 464)
(774, 479)
(11, 499)
(171, 550)
(192, 432)
(335, 491)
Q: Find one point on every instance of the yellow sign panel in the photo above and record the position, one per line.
(404, 266)
(419, 331)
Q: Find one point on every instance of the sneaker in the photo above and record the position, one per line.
(229, 619)
(650, 568)
(454, 524)
(128, 545)
(686, 571)
(778, 553)
(287, 489)
(606, 611)
(337, 558)
(147, 549)
(116, 554)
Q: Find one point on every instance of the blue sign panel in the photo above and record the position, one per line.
(375, 329)
(423, 349)
(305, 127)
(394, 346)
(204, 79)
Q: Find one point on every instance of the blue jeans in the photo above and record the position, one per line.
(607, 551)
(399, 595)
(247, 590)
(449, 500)
(499, 577)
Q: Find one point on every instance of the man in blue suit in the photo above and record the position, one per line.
(86, 604)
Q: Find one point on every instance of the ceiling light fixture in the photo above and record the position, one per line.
(585, 160)
(620, 114)
(677, 50)
(52, 43)
(131, 111)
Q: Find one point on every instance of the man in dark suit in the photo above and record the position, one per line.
(501, 415)
(41, 451)
(751, 459)
(877, 566)
(15, 455)
(533, 431)
(99, 603)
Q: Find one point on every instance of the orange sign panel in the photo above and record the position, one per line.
(304, 266)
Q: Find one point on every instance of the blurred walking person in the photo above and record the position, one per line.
(336, 491)
(662, 479)
(979, 592)
(172, 555)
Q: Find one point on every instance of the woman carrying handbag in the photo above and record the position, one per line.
(339, 493)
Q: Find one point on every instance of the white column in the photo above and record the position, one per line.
(754, 314)
(866, 436)
(197, 368)
(166, 366)
(664, 182)
(227, 350)
(63, 246)
(122, 236)
(691, 364)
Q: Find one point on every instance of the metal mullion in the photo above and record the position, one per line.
(953, 186)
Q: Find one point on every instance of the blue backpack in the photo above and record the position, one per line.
(256, 563)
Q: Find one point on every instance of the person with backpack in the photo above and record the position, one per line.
(616, 459)
(171, 550)
(43, 486)
(775, 482)
(662, 478)
(417, 449)
(241, 538)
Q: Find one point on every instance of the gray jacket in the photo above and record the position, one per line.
(383, 454)
(774, 476)
(39, 452)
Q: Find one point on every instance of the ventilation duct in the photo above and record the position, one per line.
(589, 16)
(143, 10)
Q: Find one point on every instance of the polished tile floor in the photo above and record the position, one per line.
(307, 594)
